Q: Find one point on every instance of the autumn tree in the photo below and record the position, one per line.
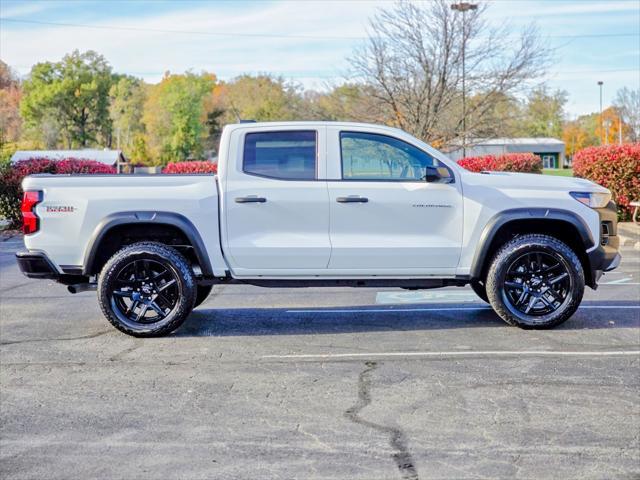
(346, 102)
(72, 95)
(174, 116)
(260, 98)
(412, 61)
(10, 93)
(611, 128)
(577, 135)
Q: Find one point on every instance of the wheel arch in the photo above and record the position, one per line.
(562, 224)
(155, 221)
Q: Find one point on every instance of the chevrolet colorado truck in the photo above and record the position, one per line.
(299, 204)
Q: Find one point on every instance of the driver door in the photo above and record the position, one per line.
(385, 218)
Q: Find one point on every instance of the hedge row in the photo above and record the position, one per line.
(509, 162)
(11, 178)
(616, 167)
(191, 167)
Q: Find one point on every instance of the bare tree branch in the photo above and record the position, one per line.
(412, 66)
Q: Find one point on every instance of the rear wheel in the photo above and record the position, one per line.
(535, 281)
(146, 289)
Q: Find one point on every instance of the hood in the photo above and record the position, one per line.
(532, 181)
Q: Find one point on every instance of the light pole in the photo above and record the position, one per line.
(600, 82)
(619, 131)
(464, 7)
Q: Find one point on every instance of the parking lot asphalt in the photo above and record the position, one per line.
(325, 383)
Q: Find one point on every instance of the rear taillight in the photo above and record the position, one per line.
(30, 221)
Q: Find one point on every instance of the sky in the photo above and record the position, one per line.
(306, 41)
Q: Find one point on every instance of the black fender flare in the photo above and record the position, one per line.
(149, 217)
(501, 219)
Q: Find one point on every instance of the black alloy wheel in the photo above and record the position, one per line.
(147, 289)
(537, 283)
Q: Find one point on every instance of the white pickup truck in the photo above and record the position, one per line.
(319, 204)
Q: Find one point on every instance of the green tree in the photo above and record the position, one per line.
(544, 113)
(74, 92)
(127, 97)
(175, 117)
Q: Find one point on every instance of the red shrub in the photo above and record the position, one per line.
(509, 162)
(11, 178)
(87, 167)
(616, 167)
(191, 167)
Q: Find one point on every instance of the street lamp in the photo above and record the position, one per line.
(464, 7)
(600, 82)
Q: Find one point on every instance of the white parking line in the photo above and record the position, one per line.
(621, 281)
(443, 309)
(485, 353)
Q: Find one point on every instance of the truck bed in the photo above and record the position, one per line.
(74, 207)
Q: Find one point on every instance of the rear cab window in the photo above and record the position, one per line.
(283, 155)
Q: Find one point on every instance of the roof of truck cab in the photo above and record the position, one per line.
(235, 126)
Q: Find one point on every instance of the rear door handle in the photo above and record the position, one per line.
(251, 199)
(352, 199)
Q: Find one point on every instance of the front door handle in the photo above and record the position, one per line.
(250, 199)
(352, 199)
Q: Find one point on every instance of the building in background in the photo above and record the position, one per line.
(550, 150)
(113, 158)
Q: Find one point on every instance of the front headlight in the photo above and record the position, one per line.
(592, 199)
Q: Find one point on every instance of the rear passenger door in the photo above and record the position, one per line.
(276, 209)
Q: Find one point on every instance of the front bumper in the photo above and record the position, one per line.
(606, 257)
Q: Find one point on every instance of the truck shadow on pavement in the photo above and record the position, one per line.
(335, 320)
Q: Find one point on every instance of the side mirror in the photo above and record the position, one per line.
(437, 174)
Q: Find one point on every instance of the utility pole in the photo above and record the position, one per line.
(600, 82)
(464, 7)
(619, 131)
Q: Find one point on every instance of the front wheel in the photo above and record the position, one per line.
(147, 289)
(202, 294)
(535, 281)
(480, 290)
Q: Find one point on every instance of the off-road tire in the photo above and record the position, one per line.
(480, 290)
(169, 258)
(513, 250)
(202, 293)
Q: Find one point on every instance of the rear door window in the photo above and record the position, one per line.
(287, 155)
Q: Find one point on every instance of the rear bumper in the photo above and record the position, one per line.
(36, 265)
